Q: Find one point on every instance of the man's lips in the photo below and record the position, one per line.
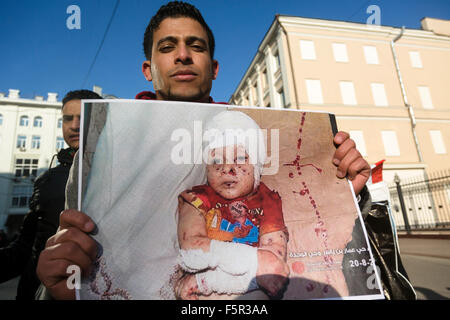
(184, 75)
(74, 137)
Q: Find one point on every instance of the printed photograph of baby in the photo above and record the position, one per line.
(200, 201)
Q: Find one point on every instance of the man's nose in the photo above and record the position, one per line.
(75, 124)
(184, 55)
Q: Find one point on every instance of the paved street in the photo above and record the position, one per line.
(427, 262)
(8, 289)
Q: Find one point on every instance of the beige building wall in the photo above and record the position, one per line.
(338, 67)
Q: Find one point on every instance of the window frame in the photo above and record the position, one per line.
(24, 121)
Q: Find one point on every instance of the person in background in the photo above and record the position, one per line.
(20, 257)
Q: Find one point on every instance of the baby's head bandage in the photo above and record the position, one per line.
(230, 128)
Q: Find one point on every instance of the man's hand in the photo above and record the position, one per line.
(69, 246)
(349, 162)
(272, 274)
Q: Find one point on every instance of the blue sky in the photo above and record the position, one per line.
(39, 54)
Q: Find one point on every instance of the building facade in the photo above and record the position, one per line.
(30, 135)
(388, 87)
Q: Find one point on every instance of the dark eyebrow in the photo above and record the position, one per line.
(192, 39)
(189, 40)
(168, 38)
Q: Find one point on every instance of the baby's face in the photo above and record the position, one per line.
(229, 172)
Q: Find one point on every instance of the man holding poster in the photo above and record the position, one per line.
(179, 48)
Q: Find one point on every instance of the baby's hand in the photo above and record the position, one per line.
(241, 232)
(187, 288)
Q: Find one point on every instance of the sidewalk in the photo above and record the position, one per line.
(425, 234)
(425, 247)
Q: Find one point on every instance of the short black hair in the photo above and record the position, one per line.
(175, 9)
(79, 95)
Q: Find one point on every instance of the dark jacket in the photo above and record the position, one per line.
(383, 243)
(41, 222)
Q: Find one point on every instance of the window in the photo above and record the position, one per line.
(425, 97)
(265, 80)
(36, 142)
(379, 94)
(371, 55)
(348, 92)
(390, 143)
(340, 52)
(21, 195)
(281, 98)
(26, 167)
(255, 93)
(37, 122)
(314, 91)
(21, 141)
(358, 137)
(307, 50)
(438, 142)
(416, 62)
(59, 123)
(277, 61)
(23, 121)
(1, 119)
(59, 143)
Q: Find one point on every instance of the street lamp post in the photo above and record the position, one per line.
(402, 203)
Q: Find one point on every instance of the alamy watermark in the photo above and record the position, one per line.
(195, 148)
(375, 15)
(74, 280)
(74, 20)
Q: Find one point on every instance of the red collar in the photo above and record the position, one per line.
(148, 95)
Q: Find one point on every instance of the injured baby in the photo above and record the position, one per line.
(231, 230)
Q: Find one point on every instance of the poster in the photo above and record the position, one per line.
(139, 156)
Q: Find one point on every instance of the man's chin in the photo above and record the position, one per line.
(74, 145)
(198, 96)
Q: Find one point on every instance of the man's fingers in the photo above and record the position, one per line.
(58, 267)
(347, 163)
(61, 290)
(358, 167)
(67, 251)
(77, 219)
(85, 242)
(343, 149)
(340, 137)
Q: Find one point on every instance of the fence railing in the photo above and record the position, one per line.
(422, 203)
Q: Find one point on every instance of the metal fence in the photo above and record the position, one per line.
(422, 203)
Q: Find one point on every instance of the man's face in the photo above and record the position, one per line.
(181, 67)
(71, 123)
(229, 172)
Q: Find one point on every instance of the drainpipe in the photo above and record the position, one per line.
(405, 98)
(290, 61)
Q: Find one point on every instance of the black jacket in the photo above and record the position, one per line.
(41, 222)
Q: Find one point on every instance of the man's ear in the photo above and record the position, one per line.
(215, 68)
(146, 70)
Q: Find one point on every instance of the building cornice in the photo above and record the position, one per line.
(373, 30)
(30, 103)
